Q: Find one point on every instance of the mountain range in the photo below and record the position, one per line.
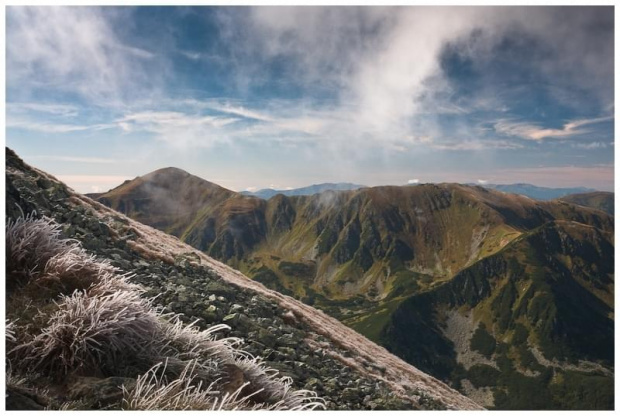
(307, 190)
(508, 299)
(537, 192)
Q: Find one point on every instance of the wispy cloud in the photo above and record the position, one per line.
(531, 131)
(75, 50)
(179, 129)
(48, 108)
(75, 159)
(53, 127)
(591, 146)
(242, 112)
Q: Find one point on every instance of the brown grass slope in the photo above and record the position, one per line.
(351, 242)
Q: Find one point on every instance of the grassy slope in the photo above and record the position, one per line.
(551, 288)
(599, 200)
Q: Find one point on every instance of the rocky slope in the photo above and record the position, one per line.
(314, 350)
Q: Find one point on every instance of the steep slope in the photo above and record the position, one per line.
(193, 209)
(307, 190)
(599, 200)
(523, 328)
(315, 351)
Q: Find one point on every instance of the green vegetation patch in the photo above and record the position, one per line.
(483, 342)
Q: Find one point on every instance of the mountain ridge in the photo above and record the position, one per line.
(326, 355)
(361, 254)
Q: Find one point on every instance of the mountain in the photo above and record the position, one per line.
(537, 192)
(308, 190)
(107, 313)
(365, 256)
(599, 200)
(521, 328)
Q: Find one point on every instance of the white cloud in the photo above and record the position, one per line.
(75, 159)
(531, 131)
(413, 181)
(179, 129)
(242, 111)
(49, 108)
(482, 181)
(74, 50)
(51, 127)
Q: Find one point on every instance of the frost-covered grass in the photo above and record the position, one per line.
(91, 321)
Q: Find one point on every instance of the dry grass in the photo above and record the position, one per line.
(30, 244)
(98, 324)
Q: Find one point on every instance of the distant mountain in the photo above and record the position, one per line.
(308, 190)
(505, 269)
(599, 200)
(537, 192)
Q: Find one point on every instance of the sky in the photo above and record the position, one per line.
(284, 97)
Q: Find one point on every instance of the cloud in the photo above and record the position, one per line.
(75, 50)
(477, 145)
(530, 131)
(482, 181)
(179, 129)
(413, 181)
(242, 111)
(590, 146)
(64, 110)
(383, 69)
(75, 159)
(53, 127)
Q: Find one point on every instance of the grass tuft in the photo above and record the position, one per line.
(94, 322)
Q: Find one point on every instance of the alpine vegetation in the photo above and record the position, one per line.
(77, 323)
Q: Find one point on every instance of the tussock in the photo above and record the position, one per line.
(97, 324)
(30, 244)
(88, 332)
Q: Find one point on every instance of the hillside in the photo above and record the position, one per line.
(537, 192)
(363, 255)
(300, 352)
(529, 327)
(599, 200)
(307, 190)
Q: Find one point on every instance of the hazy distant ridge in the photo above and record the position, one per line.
(307, 190)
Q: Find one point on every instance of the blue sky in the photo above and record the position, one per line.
(290, 96)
